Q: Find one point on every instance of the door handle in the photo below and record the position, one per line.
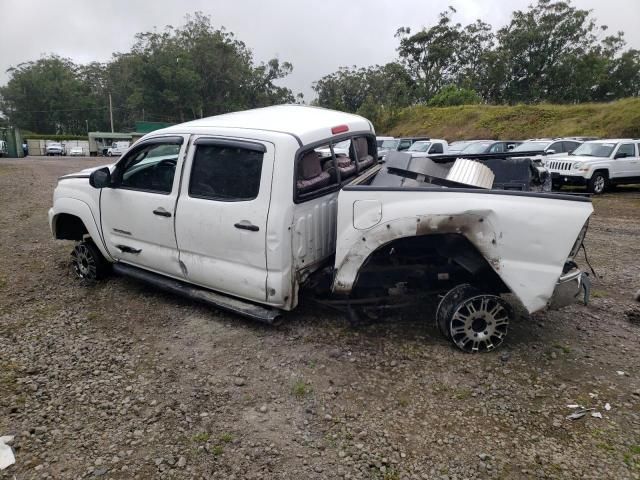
(127, 249)
(161, 212)
(247, 225)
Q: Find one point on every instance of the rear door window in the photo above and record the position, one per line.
(404, 144)
(226, 172)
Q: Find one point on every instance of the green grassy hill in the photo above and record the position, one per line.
(616, 119)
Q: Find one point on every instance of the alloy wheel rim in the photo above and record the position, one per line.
(83, 262)
(479, 323)
(599, 184)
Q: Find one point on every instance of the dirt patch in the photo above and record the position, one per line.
(121, 381)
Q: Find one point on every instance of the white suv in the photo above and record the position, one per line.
(598, 164)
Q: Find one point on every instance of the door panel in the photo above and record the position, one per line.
(221, 218)
(623, 167)
(137, 214)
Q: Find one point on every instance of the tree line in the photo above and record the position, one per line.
(172, 76)
(550, 52)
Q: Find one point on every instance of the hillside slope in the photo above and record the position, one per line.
(616, 119)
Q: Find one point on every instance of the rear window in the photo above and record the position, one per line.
(225, 173)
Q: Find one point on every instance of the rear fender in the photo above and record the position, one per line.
(475, 226)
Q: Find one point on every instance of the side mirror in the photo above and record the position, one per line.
(570, 151)
(551, 152)
(511, 147)
(100, 178)
(620, 155)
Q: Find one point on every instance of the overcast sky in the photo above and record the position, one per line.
(316, 36)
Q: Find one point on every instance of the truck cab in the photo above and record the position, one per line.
(247, 210)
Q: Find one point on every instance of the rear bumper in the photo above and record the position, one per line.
(572, 287)
(560, 179)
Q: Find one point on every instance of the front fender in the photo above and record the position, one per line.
(80, 209)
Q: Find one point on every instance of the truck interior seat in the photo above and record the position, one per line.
(364, 159)
(310, 174)
(346, 166)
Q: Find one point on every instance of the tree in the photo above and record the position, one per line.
(171, 75)
(452, 95)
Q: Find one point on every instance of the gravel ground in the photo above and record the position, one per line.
(121, 381)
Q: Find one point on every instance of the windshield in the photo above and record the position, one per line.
(531, 146)
(477, 147)
(390, 144)
(419, 147)
(599, 149)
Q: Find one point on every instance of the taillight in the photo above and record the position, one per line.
(339, 129)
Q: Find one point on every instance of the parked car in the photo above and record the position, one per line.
(397, 145)
(54, 148)
(459, 145)
(379, 140)
(117, 148)
(433, 146)
(240, 211)
(3, 148)
(76, 151)
(548, 146)
(597, 165)
(490, 146)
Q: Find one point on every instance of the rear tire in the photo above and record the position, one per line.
(598, 183)
(87, 262)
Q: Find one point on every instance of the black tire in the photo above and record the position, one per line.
(87, 263)
(448, 303)
(598, 183)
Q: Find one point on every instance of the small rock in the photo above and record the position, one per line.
(182, 462)
(505, 356)
(238, 381)
(484, 457)
(98, 472)
(263, 409)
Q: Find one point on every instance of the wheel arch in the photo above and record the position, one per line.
(72, 219)
(453, 246)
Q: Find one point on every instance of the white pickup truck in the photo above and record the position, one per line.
(597, 165)
(248, 210)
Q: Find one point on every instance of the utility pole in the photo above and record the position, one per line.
(87, 122)
(111, 112)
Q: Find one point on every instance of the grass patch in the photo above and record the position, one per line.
(201, 437)
(565, 349)
(226, 437)
(217, 450)
(300, 389)
(391, 475)
(599, 294)
(632, 457)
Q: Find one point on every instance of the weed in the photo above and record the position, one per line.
(599, 294)
(217, 450)
(300, 388)
(201, 437)
(606, 446)
(462, 393)
(391, 475)
(226, 437)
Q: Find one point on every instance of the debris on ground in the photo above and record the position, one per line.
(607, 406)
(579, 413)
(6, 452)
(596, 414)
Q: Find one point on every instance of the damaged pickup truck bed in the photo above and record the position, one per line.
(248, 210)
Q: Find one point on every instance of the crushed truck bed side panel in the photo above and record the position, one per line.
(525, 239)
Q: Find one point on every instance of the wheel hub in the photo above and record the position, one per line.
(479, 323)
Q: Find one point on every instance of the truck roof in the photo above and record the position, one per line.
(307, 124)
